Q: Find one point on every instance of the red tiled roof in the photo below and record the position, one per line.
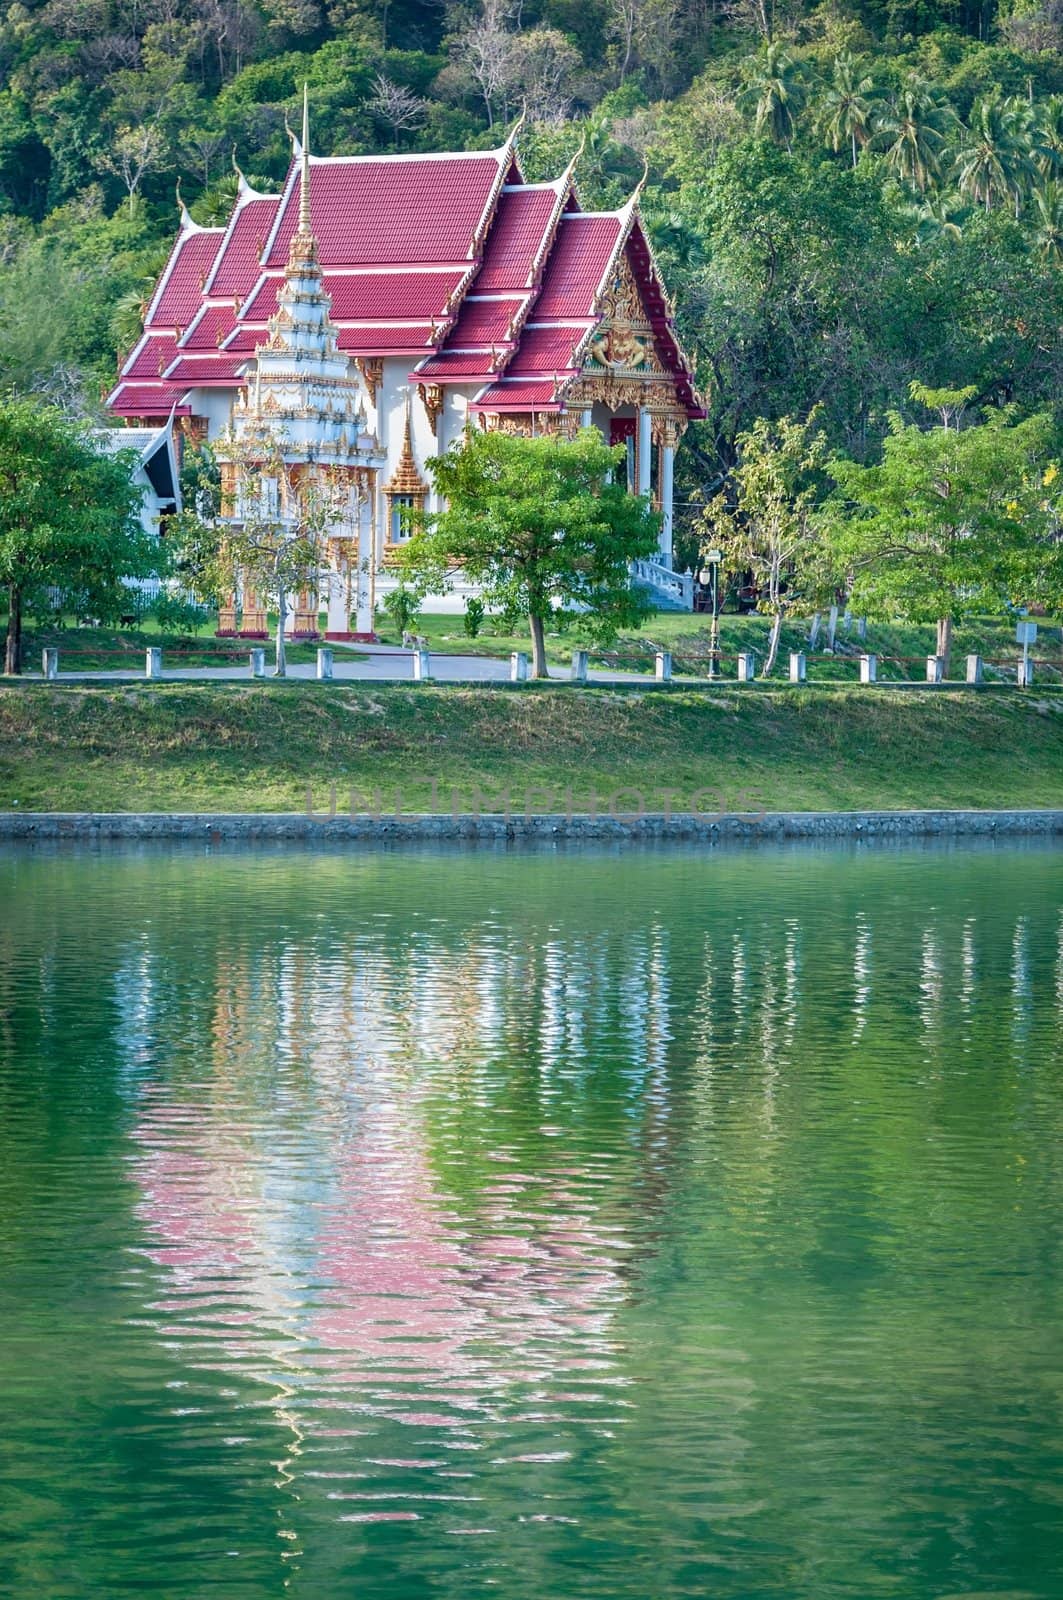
(371, 212)
(517, 234)
(387, 296)
(144, 400)
(358, 339)
(517, 397)
(577, 263)
(180, 292)
(237, 266)
(454, 365)
(203, 371)
(262, 302)
(151, 356)
(204, 332)
(484, 322)
(545, 350)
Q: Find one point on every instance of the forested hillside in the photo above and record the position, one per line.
(843, 198)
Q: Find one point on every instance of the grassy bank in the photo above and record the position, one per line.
(257, 746)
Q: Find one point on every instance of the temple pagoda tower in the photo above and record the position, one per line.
(299, 430)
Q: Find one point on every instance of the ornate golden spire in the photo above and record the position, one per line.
(304, 246)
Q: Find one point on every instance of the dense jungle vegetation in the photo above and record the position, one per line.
(844, 198)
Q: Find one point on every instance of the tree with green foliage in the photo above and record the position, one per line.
(847, 107)
(953, 520)
(775, 92)
(994, 163)
(762, 519)
(541, 526)
(913, 131)
(69, 519)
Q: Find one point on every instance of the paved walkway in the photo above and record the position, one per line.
(374, 664)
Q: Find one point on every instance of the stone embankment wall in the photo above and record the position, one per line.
(746, 828)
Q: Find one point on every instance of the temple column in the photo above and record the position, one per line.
(363, 622)
(586, 417)
(338, 619)
(645, 452)
(667, 488)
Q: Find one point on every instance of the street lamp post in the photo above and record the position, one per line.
(710, 574)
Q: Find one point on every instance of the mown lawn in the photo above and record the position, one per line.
(257, 746)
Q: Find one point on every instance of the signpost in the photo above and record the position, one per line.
(1025, 634)
(710, 574)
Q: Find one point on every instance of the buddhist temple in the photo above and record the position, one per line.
(378, 306)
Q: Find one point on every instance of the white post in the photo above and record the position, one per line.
(662, 666)
(324, 663)
(586, 417)
(869, 669)
(579, 666)
(667, 492)
(797, 666)
(935, 669)
(422, 667)
(153, 663)
(518, 667)
(747, 667)
(50, 663)
(257, 663)
(832, 627)
(974, 669)
(1024, 672)
(645, 450)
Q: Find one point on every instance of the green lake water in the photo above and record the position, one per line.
(543, 1225)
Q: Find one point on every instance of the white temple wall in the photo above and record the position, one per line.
(214, 404)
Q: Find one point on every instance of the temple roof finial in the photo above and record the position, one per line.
(186, 220)
(304, 179)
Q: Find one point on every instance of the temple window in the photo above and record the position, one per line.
(404, 492)
(400, 507)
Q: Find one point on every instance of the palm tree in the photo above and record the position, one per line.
(1048, 222)
(913, 131)
(937, 216)
(995, 161)
(848, 106)
(1049, 137)
(775, 94)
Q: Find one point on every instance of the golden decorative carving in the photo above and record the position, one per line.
(406, 479)
(432, 399)
(372, 371)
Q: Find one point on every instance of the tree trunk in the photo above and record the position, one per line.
(281, 668)
(944, 645)
(538, 639)
(13, 653)
(773, 645)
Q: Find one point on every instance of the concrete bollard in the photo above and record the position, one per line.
(324, 664)
(257, 663)
(1024, 673)
(579, 666)
(153, 663)
(798, 671)
(50, 663)
(422, 667)
(935, 669)
(518, 667)
(974, 669)
(662, 666)
(869, 669)
(747, 666)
